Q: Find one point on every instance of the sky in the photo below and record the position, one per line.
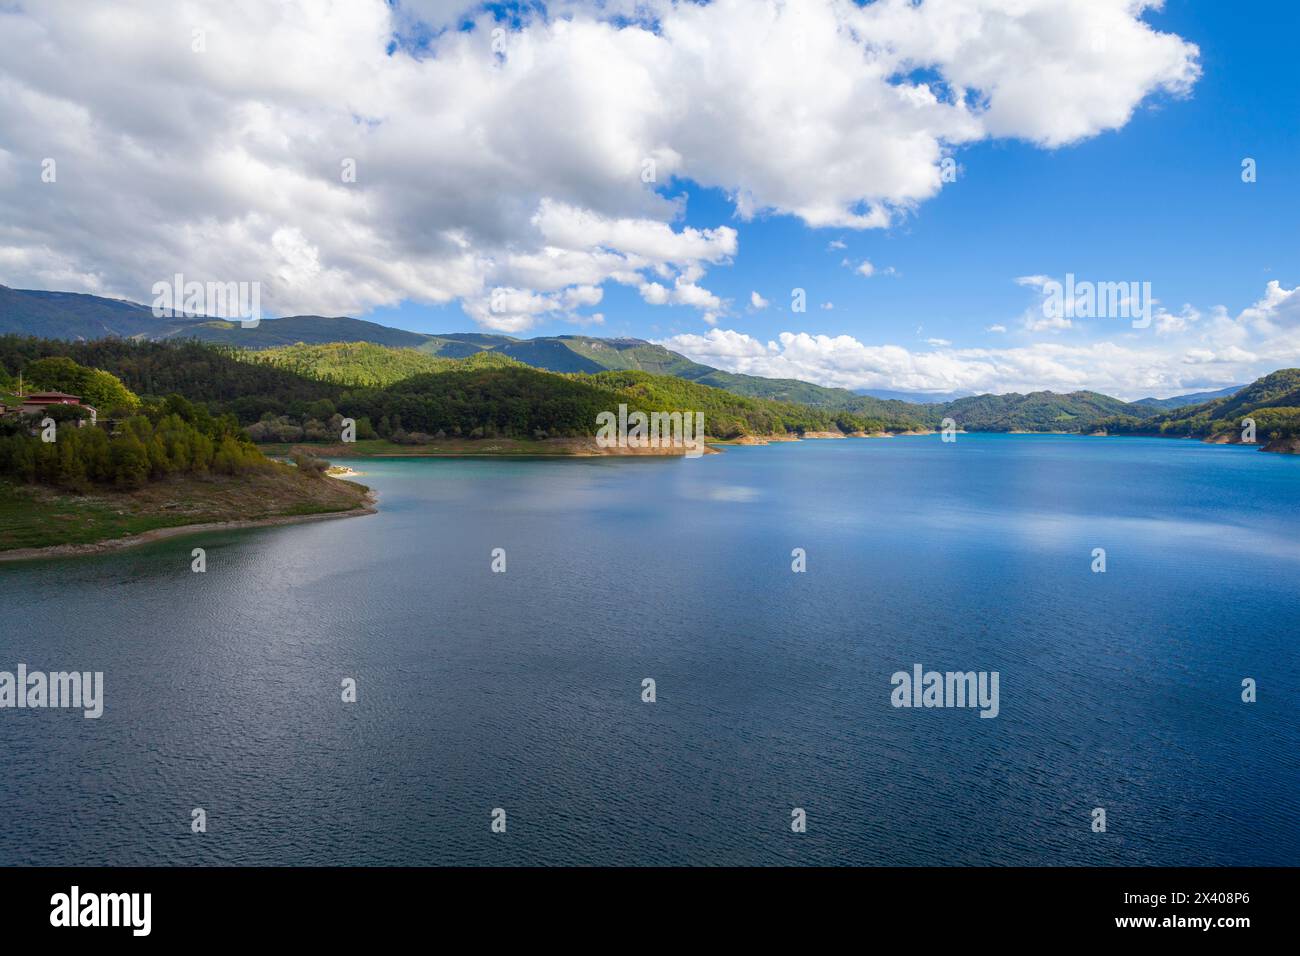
(915, 175)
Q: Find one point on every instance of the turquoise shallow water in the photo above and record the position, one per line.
(522, 690)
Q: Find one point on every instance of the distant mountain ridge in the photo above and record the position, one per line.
(1191, 398)
(921, 398)
(71, 315)
(76, 316)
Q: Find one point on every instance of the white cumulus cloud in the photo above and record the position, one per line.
(219, 138)
(1217, 350)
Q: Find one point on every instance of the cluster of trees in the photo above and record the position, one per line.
(1270, 423)
(323, 428)
(169, 437)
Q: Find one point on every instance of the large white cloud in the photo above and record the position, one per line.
(517, 159)
(1195, 349)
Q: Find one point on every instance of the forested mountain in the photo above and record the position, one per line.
(358, 364)
(351, 352)
(68, 316)
(475, 398)
(366, 364)
(481, 395)
(729, 415)
(1272, 402)
(1037, 411)
(61, 315)
(201, 373)
(300, 392)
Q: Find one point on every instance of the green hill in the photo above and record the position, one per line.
(728, 414)
(479, 399)
(1272, 402)
(365, 364)
(1037, 411)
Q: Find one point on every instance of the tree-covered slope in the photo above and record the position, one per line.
(1272, 402)
(486, 394)
(727, 414)
(567, 354)
(202, 373)
(365, 364)
(1037, 411)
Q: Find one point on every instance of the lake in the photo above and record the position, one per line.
(522, 690)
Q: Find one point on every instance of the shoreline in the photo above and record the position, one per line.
(369, 507)
(478, 448)
(1283, 446)
(581, 448)
(1275, 446)
(1279, 446)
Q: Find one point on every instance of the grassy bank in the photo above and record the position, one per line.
(33, 516)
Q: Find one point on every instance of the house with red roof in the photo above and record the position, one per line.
(35, 403)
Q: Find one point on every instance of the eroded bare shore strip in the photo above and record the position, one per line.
(176, 531)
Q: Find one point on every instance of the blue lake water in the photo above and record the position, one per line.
(522, 690)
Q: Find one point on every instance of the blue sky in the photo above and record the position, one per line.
(498, 186)
(1160, 200)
